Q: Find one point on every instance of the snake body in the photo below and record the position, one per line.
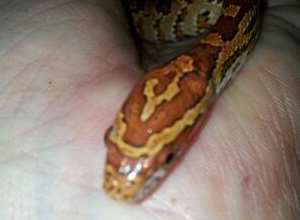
(165, 110)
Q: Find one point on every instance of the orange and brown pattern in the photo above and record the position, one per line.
(165, 110)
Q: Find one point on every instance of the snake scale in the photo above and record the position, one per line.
(165, 110)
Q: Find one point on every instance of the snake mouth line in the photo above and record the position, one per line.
(151, 183)
(120, 188)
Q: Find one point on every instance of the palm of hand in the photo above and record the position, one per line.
(66, 69)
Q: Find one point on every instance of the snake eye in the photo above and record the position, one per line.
(170, 158)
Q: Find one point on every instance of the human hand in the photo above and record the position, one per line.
(67, 67)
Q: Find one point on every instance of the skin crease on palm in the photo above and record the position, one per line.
(66, 66)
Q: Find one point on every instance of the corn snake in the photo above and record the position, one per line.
(165, 110)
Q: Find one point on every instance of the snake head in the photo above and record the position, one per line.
(132, 179)
(153, 129)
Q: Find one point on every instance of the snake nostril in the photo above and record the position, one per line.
(170, 158)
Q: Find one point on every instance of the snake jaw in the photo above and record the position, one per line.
(134, 179)
(128, 184)
(152, 183)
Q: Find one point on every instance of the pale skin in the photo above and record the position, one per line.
(66, 66)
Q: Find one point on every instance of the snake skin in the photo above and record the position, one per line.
(164, 112)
